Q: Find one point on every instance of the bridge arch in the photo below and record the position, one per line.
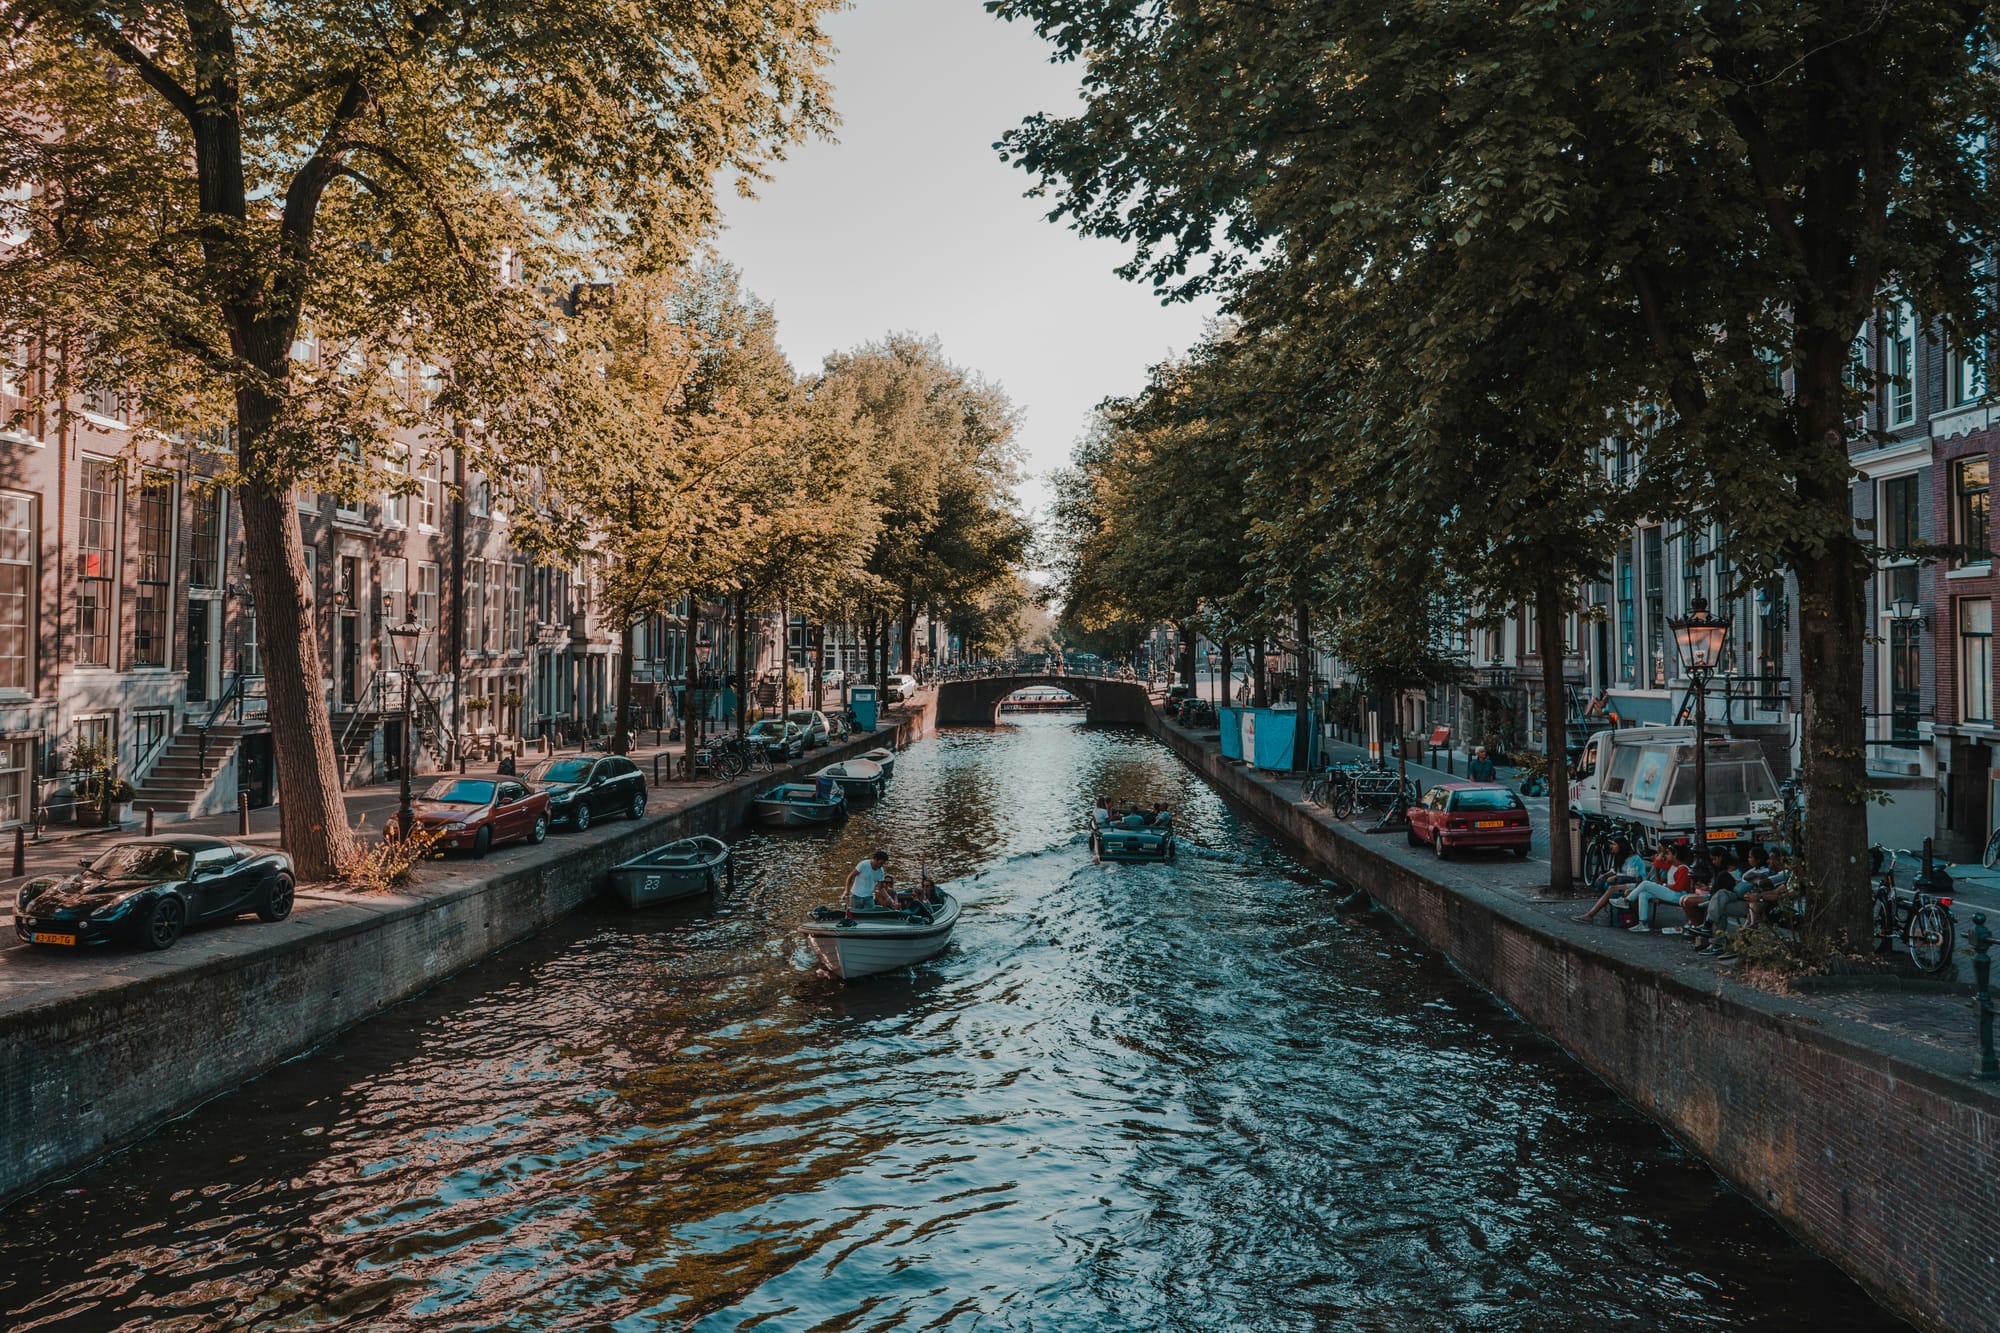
(975, 701)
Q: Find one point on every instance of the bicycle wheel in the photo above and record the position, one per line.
(1929, 938)
(1596, 860)
(1341, 800)
(1885, 921)
(1991, 857)
(728, 766)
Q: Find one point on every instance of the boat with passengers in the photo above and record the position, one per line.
(1133, 834)
(863, 942)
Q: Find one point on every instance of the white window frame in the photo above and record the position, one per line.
(1899, 359)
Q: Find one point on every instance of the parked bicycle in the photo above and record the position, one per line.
(1920, 922)
(1346, 788)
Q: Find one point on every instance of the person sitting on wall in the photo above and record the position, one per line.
(1628, 868)
(1707, 911)
(1670, 884)
(1770, 885)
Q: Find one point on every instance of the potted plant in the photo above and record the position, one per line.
(92, 783)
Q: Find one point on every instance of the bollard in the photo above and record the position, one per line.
(242, 814)
(20, 851)
(149, 821)
(1985, 1064)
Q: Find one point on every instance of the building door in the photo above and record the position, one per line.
(392, 747)
(347, 646)
(255, 762)
(201, 657)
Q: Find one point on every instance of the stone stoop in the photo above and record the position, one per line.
(180, 779)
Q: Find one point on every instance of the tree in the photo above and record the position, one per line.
(313, 215)
(1749, 185)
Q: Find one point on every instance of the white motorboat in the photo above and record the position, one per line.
(864, 943)
(857, 777)
(884, 756)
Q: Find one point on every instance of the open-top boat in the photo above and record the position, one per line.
(884, 756)
(857, 777)
(1132, 837)
(799, 805)
(864, 943)
(677, 870)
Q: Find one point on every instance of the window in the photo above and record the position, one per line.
(1905, 675)
(249, 660)
(1652, 546)
(18, 561)
(156, 570)
(1975, 660)
(1967, 374)
(205, 539)
(424, 610)
(1899, 363)
(474, 608)
(16, 780)
(106, 403)
(395, 504)
(97, 560)
(1693, 569)
(1971, 508)
(395, 575)
(1898, 527)
(343, 506)
(1628, 639)
(478, 493)
(494, 621)
(517, 602)
(430, 495)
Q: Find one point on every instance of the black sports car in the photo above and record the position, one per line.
(582, 789)
(147, 890)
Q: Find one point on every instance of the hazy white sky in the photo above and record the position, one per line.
(911, 222)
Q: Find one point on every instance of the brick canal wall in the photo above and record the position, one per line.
(1870, 1150)
(87, 1073)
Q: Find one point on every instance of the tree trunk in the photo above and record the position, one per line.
(1833, 633)
(1302, 724)
(1549, 613)
(742, 661)
(621, 739)
(691, 686)
(1258, 699)
(312, 816)
(819, 667)
(1226, 673)
(1189, 655)
(458, 598)
(909, 638)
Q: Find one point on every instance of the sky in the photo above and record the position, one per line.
(911, 223)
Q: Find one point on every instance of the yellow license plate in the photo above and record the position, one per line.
(42, 937)
(1722, 835)
(1491, 823)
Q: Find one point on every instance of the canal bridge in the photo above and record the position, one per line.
(974, 701)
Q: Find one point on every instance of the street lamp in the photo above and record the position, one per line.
(403, 645)
(1906, 612)
(1213, 670)
(1699, 638)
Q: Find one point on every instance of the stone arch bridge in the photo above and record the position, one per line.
(975, 701)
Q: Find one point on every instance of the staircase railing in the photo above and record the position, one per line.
(230, 702)
(364, 716)
(430, 725)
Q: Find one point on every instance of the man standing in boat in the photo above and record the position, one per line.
(868, 884)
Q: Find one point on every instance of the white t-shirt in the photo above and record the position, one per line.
(866, 877)
(1102, 816)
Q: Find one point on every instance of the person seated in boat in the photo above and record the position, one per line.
(1102, 815)
(1161, 816)
(868, 884)
(1132, 819)
(926, 891)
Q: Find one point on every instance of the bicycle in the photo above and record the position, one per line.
(1991, 856)
(1921, 921)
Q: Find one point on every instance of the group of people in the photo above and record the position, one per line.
(1158, 817)
(870, 887)
(1704, 891)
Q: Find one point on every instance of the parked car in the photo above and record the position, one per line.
(784, 741)
(814, 724)
(582, 789)
(899, 688)
(474, 814)
(1456, 816)
(835, 678)
(147, 890)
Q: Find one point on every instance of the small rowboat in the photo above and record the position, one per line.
(884, 756)
(862, 944)
(857, 777)
(677, 870)
(798, 805)
(1130, 838)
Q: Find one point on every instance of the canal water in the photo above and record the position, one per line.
(1130, 1098)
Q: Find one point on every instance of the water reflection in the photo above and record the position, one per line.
(1140, 1097)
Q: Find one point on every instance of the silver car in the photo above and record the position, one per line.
(813, 723)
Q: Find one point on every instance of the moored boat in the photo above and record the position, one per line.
(857, 777)
(884, 756)
(865, 943)
(1040, 699)
(798, 805)
(677, 870)
(1129, 837)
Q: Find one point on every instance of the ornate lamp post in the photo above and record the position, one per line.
(1699, 638)
(403, 644)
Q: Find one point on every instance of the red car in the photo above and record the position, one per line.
(475, 813)
(1453, 816)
